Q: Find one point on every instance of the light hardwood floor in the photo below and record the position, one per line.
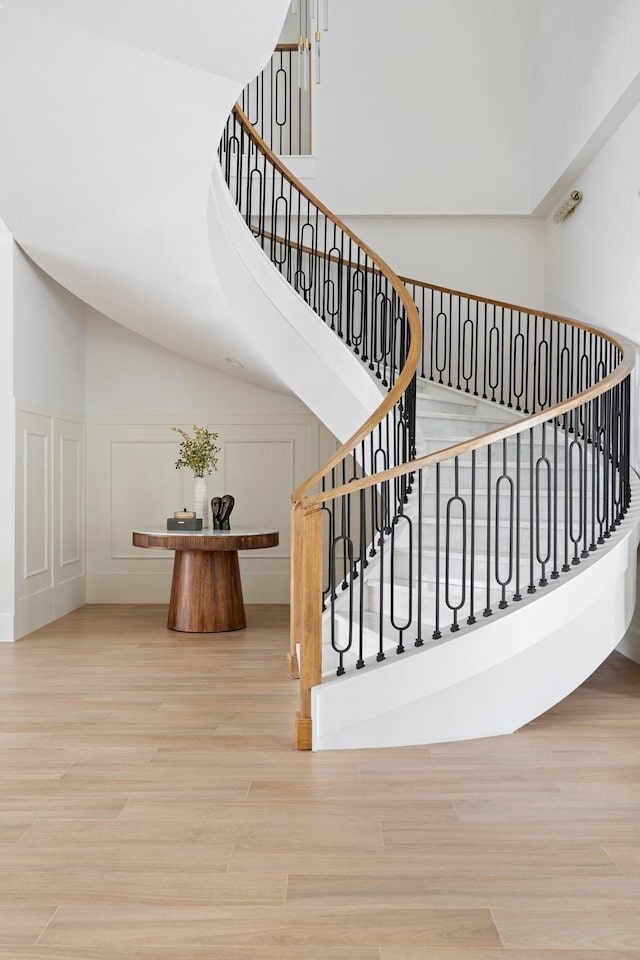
(151, 806)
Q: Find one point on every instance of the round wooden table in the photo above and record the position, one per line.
(206, 591)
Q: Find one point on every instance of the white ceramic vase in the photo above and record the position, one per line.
(201, 500)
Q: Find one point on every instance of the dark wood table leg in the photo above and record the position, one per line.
(206, 592)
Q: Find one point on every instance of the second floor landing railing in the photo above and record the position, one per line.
(278, 103)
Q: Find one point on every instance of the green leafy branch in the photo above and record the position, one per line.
(198, 452)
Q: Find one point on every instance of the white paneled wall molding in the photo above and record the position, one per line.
(50, 538)
(132, 482)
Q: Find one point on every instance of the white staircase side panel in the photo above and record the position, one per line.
(473, 685)
(629, 646)
(233, 40)
(293, 341)
(107, 152)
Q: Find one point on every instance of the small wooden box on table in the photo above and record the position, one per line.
(206, 591)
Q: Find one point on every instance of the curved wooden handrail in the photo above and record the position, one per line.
(406, 374)
(463, 294)
(398, 282)
(531, 311)
(624, 368)
(626, 347)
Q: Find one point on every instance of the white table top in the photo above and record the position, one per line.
(235, 532)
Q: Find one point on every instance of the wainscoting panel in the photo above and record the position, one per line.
(69, 495)
(36, 503)
(144, 485)
(132, 483)
(50, 555)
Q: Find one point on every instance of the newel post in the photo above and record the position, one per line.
(306, 621)
(295, 593)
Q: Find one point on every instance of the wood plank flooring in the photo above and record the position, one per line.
(152, 808)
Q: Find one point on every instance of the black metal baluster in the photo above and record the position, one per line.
(450, 331)
(477, 349)
(555, 573)
(472, 544)
(487, 610)
(543, 461)
(346, 548)
(363, 563)
(501, 355)
(436, 632)
(401, 627)
(517, 595)
(531, 588)
(456, 498)
(503, 582)
(419, 641)
(384, 491)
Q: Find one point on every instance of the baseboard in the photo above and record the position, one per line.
(39, 609)
(7, 628)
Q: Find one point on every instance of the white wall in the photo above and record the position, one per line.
(136, 390)
(7, 434)
(498, 257)
(108, 148)
(126, 374)
(592, 264)
(592, 260)
(49, 384)
(588, 57)
(49, 339)
(426, 110)
(210, 35)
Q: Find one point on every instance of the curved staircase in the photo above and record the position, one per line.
(473, 542)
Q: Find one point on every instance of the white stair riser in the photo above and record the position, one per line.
(434, 444)
(341, 634)
(447, 473)
(428, 609)
(482, 504)
(481, 535)
(401, 566)
(427, 405)
(433, 426)
(460, 402)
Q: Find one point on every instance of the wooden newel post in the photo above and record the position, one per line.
(295, 593)
(308, 617)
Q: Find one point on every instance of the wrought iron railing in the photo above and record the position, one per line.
(340, 278)
(403, 550)
(278, 103)
(367, 306)
(496, 517)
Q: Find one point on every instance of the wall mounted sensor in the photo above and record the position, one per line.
(568, 207)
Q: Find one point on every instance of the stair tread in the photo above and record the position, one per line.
(371, 622)
(403, 584)
(460, 417)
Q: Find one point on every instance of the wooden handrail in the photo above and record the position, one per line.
(483, 440)
(462, 294)
(306, 539)
(626, 347)
(406, 374)
(569, 321)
